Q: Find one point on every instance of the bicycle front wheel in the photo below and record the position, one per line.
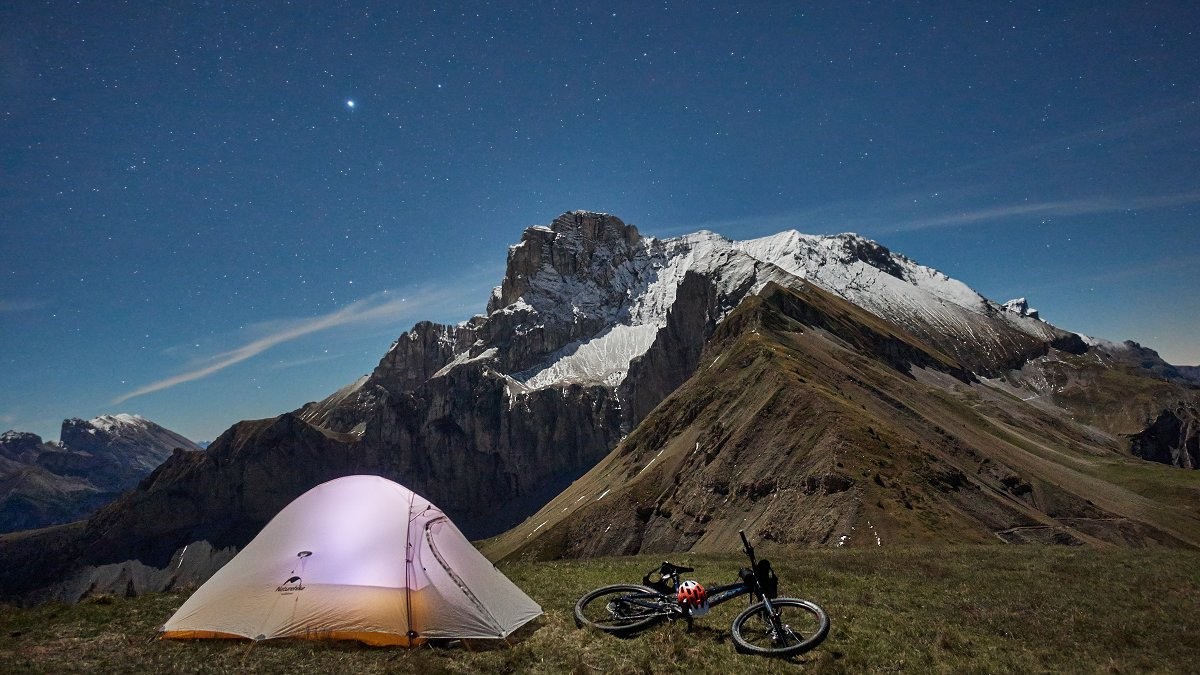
(620, 609)
(794, 627)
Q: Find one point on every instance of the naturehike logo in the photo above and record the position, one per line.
(293, 584)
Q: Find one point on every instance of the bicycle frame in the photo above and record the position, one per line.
(716, 595)
(721, 594)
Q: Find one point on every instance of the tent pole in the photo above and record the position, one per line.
(408, 563)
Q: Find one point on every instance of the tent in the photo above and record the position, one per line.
(357, 558)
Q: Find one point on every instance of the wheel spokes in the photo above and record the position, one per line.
(778, 630)
(620, 610)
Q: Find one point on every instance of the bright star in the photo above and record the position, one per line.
(350, 103)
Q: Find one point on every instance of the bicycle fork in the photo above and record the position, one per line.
(779, 630)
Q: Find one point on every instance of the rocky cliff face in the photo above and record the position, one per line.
(1172, 438)
(113, 451)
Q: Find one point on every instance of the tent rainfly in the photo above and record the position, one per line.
(357, 558)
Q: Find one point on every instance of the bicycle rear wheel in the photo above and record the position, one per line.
(620, 609)
(795, 627)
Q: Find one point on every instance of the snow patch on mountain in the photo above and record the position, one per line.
(1020, 307)
(889, 284)
(1107, 345)
(604, 359)
(868, 275)
(122, 421)
(464, 358)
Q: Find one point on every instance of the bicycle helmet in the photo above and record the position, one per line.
(692, 597)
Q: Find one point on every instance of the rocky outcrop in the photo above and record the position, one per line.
(564, 283)
(1020, 307)
(872, 253)
(1172, 438)
(578, 246)
(21, 446)
(675, 354)
(418, 354)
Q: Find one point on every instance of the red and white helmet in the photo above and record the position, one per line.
(692, 596)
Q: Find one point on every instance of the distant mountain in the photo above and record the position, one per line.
(592, 327)
(45, 483)
(1190, 373)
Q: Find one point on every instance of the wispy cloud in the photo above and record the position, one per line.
(1059, 208)
(8, 305)
(284, 365)
(896, 214)
(385, 307)
(1164, 127)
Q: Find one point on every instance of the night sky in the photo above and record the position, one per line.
(219, 211)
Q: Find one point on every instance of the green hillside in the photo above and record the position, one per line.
(964, 609)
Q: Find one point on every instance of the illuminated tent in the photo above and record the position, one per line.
(357, 558)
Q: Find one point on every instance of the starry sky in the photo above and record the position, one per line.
(217, 211)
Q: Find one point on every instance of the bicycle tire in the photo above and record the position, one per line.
(804, 626)
(617, 619)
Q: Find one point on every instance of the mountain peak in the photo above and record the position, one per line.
(18, 444)
(579, 246)
(113, 422)
(594, 226)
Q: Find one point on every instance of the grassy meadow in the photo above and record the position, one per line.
(970, 609)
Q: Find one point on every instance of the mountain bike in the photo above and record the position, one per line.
(771, 626)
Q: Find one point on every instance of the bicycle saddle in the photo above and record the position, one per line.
(668, 569)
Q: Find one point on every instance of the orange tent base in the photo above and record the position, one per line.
(372, 639)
